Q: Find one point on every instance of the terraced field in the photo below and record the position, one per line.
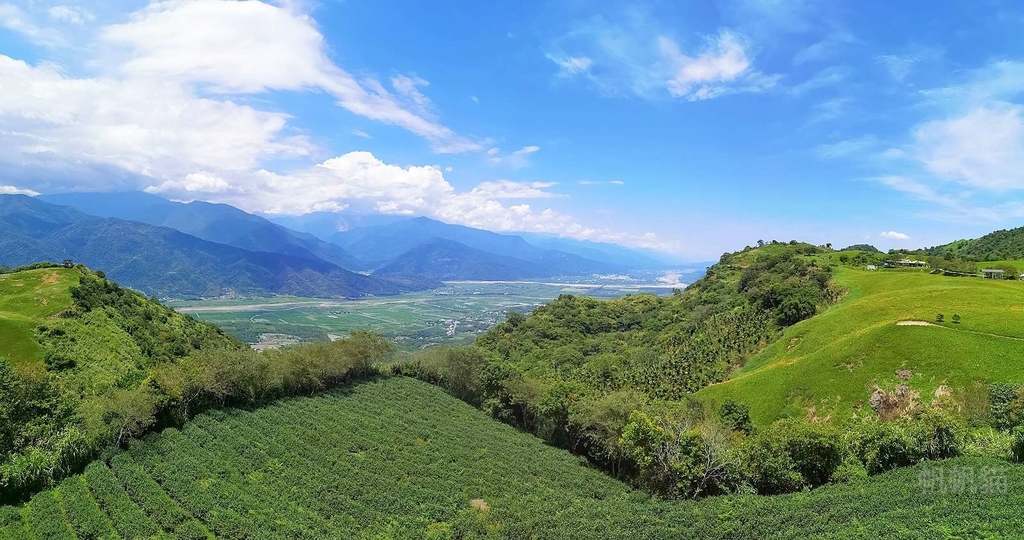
(397, 458)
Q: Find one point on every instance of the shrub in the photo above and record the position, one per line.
(791, 455)
(882, 446)
(736, 416)
(1017, 445)
(1006, 404)
(934, 434)
(849, 470)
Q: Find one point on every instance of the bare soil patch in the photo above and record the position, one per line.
(915, 323)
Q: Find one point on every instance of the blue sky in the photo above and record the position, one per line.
(690, 127)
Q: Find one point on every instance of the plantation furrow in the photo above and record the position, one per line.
(127, 518)
(151, 497)
(236, 484)
(309, 478)
(83, 513)
(401, 459)
(45, 520)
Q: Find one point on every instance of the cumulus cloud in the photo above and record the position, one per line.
(982, 148)
(893, 235)
(251, 47)
(170, 108)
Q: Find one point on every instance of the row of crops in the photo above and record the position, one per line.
(397, 458)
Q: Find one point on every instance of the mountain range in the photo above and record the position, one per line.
(169, 263)
(201, 249)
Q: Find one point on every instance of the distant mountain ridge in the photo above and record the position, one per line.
(219, 223)
(409, 250)
(442, 259)
(169, 263)
(383, 243)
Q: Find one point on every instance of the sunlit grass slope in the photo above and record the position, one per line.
(398, 458)
(26, 300)
(829, 364)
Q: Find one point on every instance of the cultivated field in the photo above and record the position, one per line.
(397, 458)
(454, 313)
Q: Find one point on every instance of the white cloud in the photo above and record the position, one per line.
(11, 190)
(571, 65)
(71, 14)
(507, 189)
(252, 47)
(828, 47)
(193, 182)
(901, 65)
(829, 76)
(893, 235)
(600, 182)
(16, 20)
(517, 159)
(360, 180)
(148, 127)
(983, 148)
(627, 54)
(848, 147)
(361, 134)
(703, 76)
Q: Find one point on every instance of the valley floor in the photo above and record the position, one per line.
(398, 458)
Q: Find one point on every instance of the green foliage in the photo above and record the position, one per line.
(1017, 445)
(790, 456)
(934, 434)
(1007, 405)
(862, 247)
(736, 416)
(397, 458)
(117, 364)
(996, 246)
(85, 516)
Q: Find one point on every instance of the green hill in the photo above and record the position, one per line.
(831, 362)
(397, 458)
(26, 299)
(998, 245)
(72, 342)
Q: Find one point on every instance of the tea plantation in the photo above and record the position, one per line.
(398, 458)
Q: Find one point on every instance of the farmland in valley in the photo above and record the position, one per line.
(455, 313)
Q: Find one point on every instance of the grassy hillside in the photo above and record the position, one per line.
(26, 299)
(831, 362)
(397, 458)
